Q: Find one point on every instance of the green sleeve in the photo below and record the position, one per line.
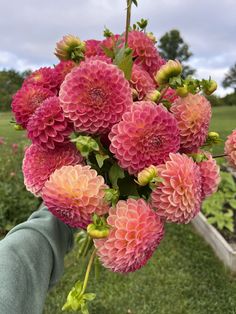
(32, 261)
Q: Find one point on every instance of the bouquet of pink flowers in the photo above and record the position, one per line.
(120, 146)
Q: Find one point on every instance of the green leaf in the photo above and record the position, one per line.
(232, 203)
(108, 52)
(84, 308)
(89, 296)
(115, 173)
(124, 61)
(135, 2)
(100, 159)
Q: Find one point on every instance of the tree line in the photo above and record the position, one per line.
(171, 46)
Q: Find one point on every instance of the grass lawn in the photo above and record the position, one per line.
(7, 129)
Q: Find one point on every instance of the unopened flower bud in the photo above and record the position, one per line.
(70, 48)
(182, 91)
(18, 127)
(96, 232)
(154, 95)
(147, 175)
(210, 87)
(112, 196)
(213, 136)
(171, 69)
(151, 36)
(86, 145)
(198, 157)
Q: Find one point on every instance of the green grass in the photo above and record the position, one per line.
(223, 121)
(7, 129)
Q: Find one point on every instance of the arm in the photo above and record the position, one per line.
(31, 261)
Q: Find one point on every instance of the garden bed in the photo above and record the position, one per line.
(217, 222)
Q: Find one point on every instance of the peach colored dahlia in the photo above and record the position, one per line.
(145, 52)
(74, 193)
(141, 81)
(45, 77)
(48, 127)
(94, 96)
(145, 136)
(193, 114)
(27, 100)
(230, 148)
(210, 173)
(39, 164)
(178, 197)
(136, 231)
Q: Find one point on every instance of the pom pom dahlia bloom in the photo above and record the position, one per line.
(145, 52)
(145, 136)
(92, 48)
(62, 69)
(27, 100)
(48, 127)
(178, 197)
(74, 193)
(135, 233)
(210, 174)
(39, 164)
(193, 114)
(230, 148)
(45, 77)
(94, 96)
(141, 81)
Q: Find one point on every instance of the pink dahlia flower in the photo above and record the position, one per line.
(145, 52)
(145, 136)
(210, 174)
(100, 58)
(92, 48)
(135, 233)
(62, 69)
(193, 114)
(48, 127)
(74, 193)
(230, 148)
(27, 100)
(44, 77)
(39, 164)
(141, 81)
(171, 95)
(178, 197)
(94, 96)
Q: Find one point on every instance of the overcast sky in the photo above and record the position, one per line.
(29, 29)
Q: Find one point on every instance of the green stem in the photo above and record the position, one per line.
(88, 242)
(88, 271)
(163, 93)
(219, 156)
(128, 17)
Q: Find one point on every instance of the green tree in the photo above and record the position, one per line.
(172, 46)
(10, 82)
(230, 78)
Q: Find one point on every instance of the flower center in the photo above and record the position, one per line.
(97, 97)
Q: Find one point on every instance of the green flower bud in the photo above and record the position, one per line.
(182, 91)
(171, 69)
(214, 136)
(18, 127)
(210, 87)
(86, 145)
(153, 95)
(112, 196)
(97, 232)
(151, 36)
(147, 175)
(70, 48)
